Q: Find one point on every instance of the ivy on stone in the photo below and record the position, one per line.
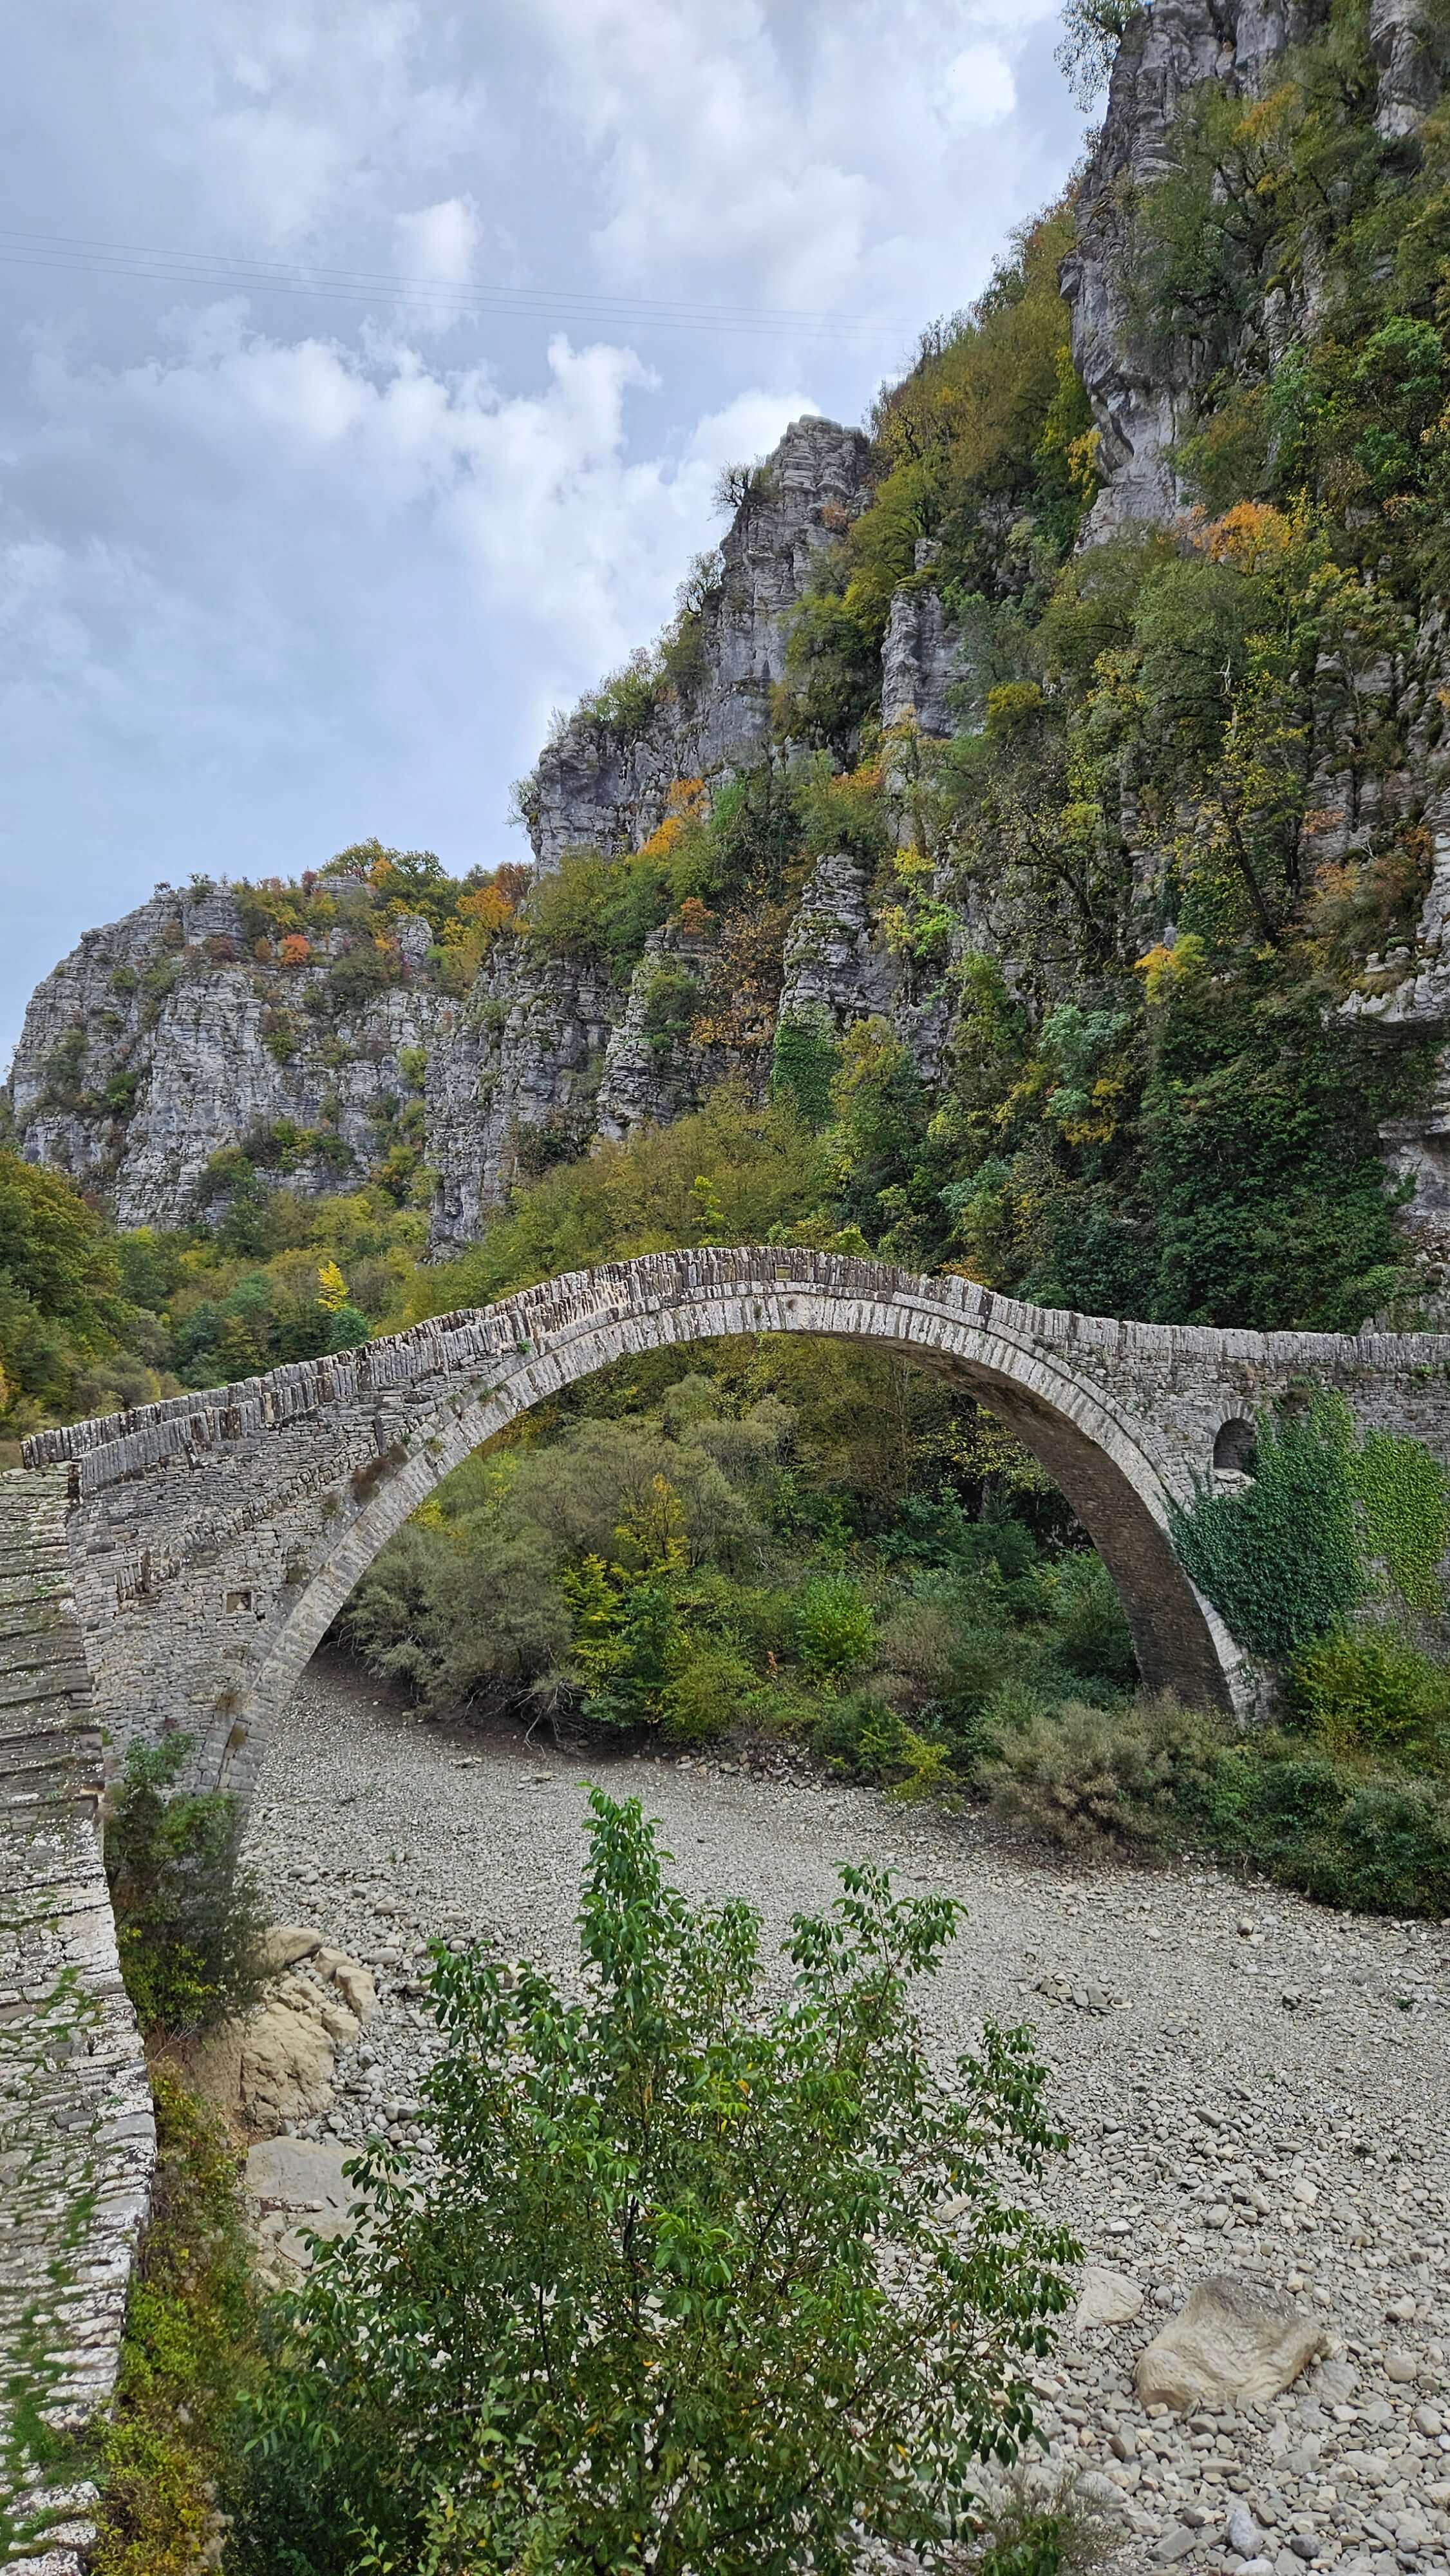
(1327, 1524)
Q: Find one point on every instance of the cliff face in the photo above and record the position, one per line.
(602, 783)
(156, 1045)
(168, 1037)
(153, 1047)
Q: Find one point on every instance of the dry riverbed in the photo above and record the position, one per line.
(1251, 2083)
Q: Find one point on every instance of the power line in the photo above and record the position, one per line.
(160, 265)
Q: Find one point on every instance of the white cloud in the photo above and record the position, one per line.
(273, 575)
(302, 520)
(438, 243)
(977, 87)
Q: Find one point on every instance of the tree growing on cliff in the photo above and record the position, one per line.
(698, 2282)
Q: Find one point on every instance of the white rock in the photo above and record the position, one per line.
(1106, 2298)
(1234, 2342)
(283, 1944)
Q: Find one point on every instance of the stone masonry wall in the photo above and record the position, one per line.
(215, 1536)
(76, 2130)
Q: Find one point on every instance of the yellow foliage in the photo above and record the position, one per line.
(331, 1288)
(1164, 969)
(1253, 536)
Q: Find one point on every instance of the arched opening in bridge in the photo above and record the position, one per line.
(1236, 1447)
(280, 1494)
(1095, 1517)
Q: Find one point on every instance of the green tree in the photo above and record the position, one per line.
(682, 2291)
(60, 1301)
(188, 1917)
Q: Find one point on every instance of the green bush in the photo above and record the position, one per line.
(835, 1631)
(1092, 1779)
(188, 2345)
(188, 1916)
(867, 1738)
(679, 2292)
(1090, 1634)
(1371, 1691)
(708, 1691)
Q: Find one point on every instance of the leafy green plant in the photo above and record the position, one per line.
(1282, 1560)
(188, 1916)
(680, 2293)
(1292, 1557)
(188, 2344)
(1371, 1691)
(835, 1631)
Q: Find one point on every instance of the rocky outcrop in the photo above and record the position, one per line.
(1140, 395)
(160, 1042)
(1142, 390)
(837, 969)
(603, 782)
(919, 669)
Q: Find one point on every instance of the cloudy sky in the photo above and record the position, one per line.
(366, 370)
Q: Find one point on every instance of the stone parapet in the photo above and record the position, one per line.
(77, 2136)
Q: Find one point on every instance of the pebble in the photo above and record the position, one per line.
(1212, 2129)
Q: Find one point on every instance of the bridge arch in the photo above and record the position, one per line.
(215, 1537)
(1091, 1454)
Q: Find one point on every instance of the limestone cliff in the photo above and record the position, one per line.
(175, 1036)
(603, 781)
(1142, 390)
(160, 1043)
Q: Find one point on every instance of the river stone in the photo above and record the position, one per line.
(289, 2044)
(1244, 2534)
(306, 2182)
(1106, 2298)
(1234, 2342)
(283, 1944)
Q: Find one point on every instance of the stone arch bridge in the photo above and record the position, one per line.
(213, 1537)
(174, 1568)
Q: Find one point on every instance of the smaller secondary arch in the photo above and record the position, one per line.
(1236, 1446)
(1078, 1433)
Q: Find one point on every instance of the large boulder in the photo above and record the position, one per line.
(275, 2069)
(1234, 2342)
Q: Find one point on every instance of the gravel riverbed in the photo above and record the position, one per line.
(1251, 2083)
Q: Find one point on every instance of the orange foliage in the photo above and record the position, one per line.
(695, 917)
(1253, 536)
(685, 804)
(487, 908)
(295, 950)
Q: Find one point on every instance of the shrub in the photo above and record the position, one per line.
(1371, 1691)
(679, 2293)
(707, 1693)
(864, 1736)
(188, 2340)
(1091, 1635)
(835, 1632)
(1093, 1779)
(188, 1918)
(1377, 1843)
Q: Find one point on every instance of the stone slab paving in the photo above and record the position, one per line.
(1252, 2083)
(76, 2130)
